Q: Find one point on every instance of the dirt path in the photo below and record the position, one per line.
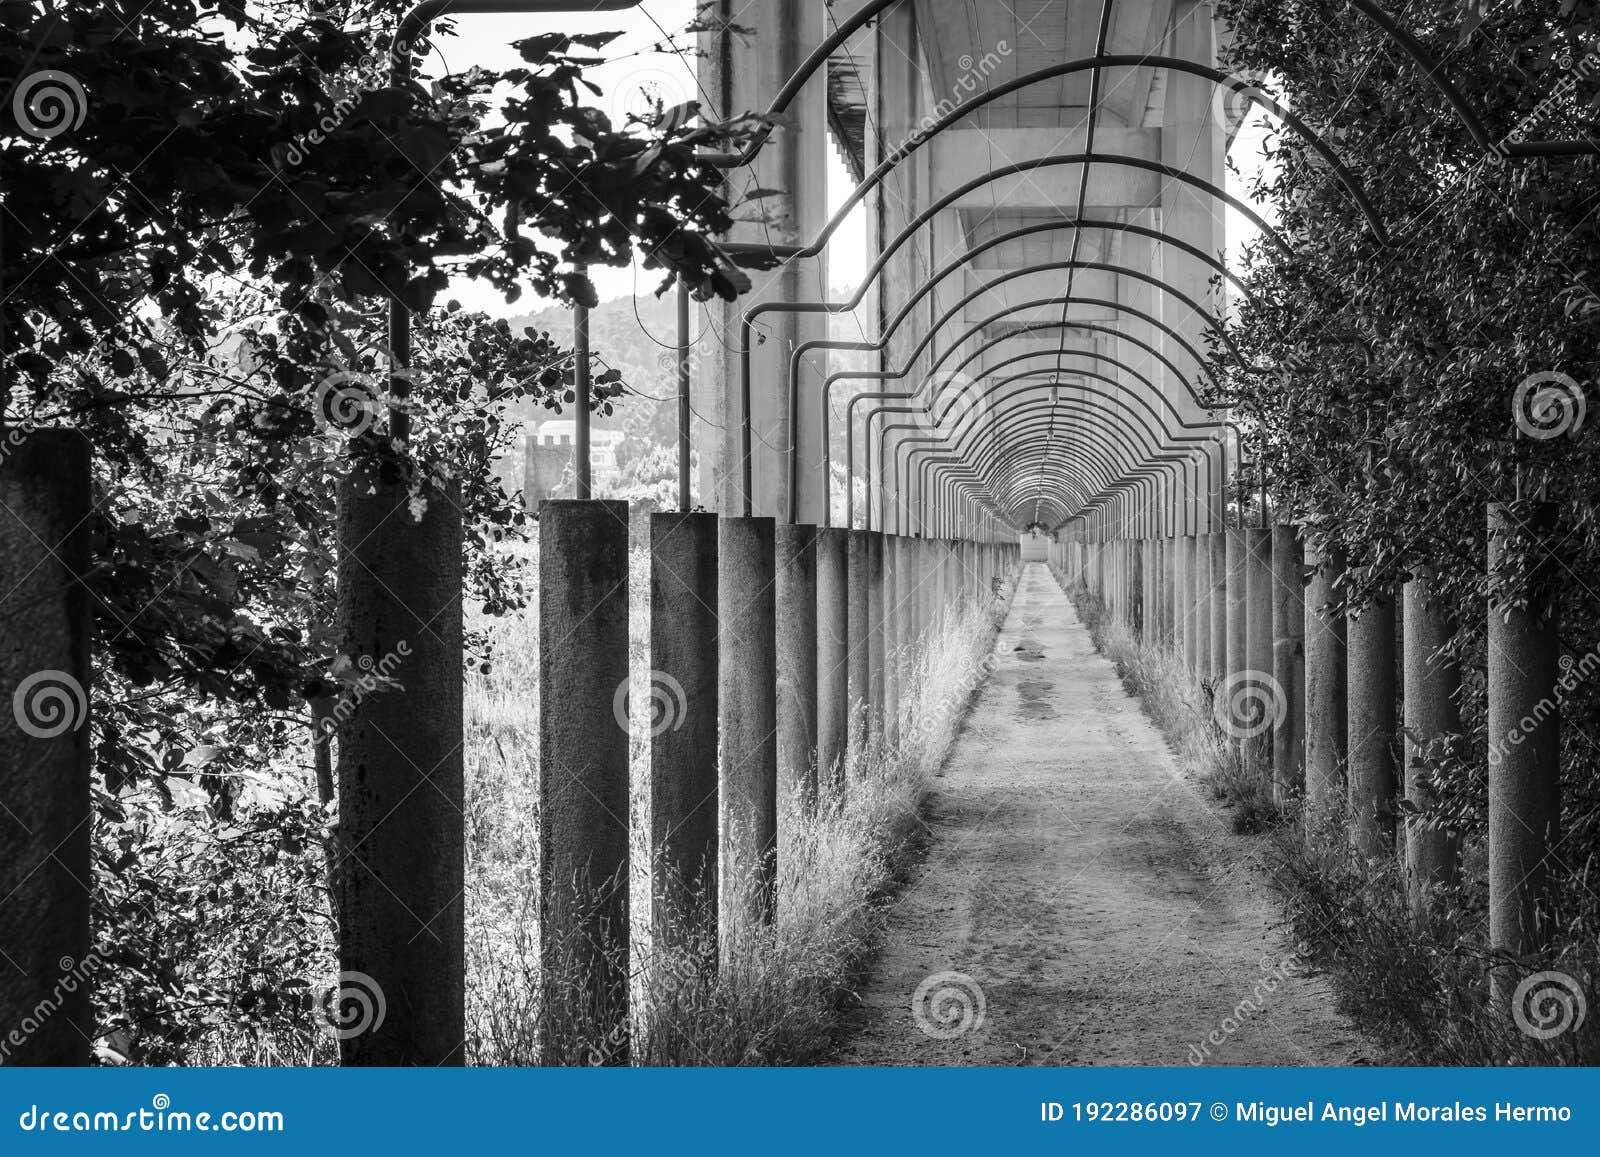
(1082, 889)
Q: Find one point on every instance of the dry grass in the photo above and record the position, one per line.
(1417, 985)
(778, 991)
(1180, 705)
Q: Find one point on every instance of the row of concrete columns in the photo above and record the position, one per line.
(1310, 691)
(778, 655)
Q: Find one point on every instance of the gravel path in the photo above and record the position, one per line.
(1082, 891)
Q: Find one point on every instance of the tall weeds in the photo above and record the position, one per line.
(768, 995)
(1418, 985)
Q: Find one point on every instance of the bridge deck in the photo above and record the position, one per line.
(1086, 884)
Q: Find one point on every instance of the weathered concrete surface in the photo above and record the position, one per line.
(44, 747)
(683, 715)
(1080, 877)
(796, 549)
(833, 655)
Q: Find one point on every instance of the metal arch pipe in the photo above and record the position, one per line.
(991, 392)
(746, 464)
(895, 375)
(1009, 422)
(1143, 475)
(993, 458)
(1408, 44)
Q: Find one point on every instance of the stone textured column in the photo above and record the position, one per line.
(747, 698)
(796, 551)
(1256, 748)
(1217, 549)
(683, 724)
(1370, 697)
(1326, 719)
(45, 877)
(859, 567)
(400, 846)
(1288, 663)
(1524, 744)
(833, 659)
(583, 773)
(1432, 684)
(875, 637)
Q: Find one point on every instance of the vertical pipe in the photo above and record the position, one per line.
(1288, 663)
(833, 660)
(1216, 546)
(44, 748)
(796, 549)
(1326, 719)
(582, 471)
(858, 567)
(747, 700)
(683, 725)
(685, 410)
(1257, 747)
(875, 637)
(1370, 699)
(1524, 742)
(583, 773)
(1432, 683)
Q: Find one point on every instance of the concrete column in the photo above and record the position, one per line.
(1190, 605)
(45, 877)
(795, 546)
(1136, 609)
(400, 858)
(1326, 722)
(1524, 743)
(1217, 613)
(583, 769)
(875, 637)
(891, 638)
(833, 663)
(1238, 660)
(1288, 663)
(1257, 749)
(747, 52)
(860, 670)
(1169, 618)
(1370, 696)
(683, 723)
(1432, 683)
(747, 699)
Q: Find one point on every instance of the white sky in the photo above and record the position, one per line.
(632, 72)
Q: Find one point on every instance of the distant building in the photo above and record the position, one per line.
(547, 461)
